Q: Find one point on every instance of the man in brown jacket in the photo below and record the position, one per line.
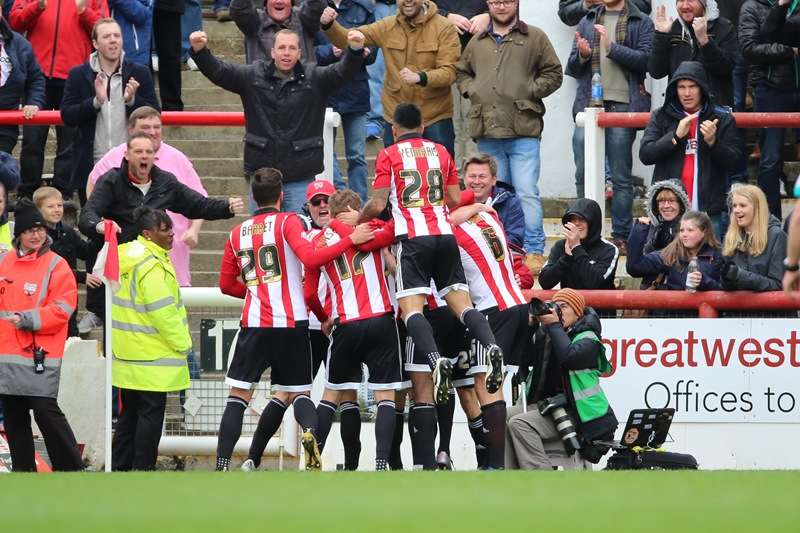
(506, 72)
(421, 49)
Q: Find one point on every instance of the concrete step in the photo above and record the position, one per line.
(206, 133)
(228, 108)
(217, 166)
(208, 95)
(224, 224)
(227, 148)
(226, 186)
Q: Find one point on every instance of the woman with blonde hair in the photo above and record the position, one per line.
(755, 244)
(695, 240)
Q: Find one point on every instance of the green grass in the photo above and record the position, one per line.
(402, 501)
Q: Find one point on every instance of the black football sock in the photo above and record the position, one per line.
(395, 458)
(444, 414)
(230, 429)
(478, 327)
(350, 430)
(424, 430)
(494, 418)
(384, 433)
(306, 413)
(420, 330)
(268, 424)
(478, 433)
(326, 411)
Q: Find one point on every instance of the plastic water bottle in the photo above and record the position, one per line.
(690, 286)
(597, 91)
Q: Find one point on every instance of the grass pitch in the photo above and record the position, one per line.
(401, 501)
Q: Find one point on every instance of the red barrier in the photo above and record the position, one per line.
(168, 118)
(743, 120)
(708, 304)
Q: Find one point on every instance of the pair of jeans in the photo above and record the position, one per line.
(440, 132)
(518, 164)
(191, 20)
(222, 4)
(619, 142)
(376, 73)
(354, 129)
(34, 140)
(770, 167)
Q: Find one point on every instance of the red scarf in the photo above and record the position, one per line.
(689, 175)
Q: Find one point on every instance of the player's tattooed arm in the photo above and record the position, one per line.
(375, 205)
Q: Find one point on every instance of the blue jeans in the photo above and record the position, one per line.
(739, 75)
(518, 164)
(354, 128)
(191, 20)
(222, 4)
(770, 167)
(441, 132)
(619, 142)
(376, 73)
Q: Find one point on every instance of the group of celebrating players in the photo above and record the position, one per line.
(418, 284)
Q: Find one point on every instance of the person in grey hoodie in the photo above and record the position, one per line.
(755, 244)
(666, 202)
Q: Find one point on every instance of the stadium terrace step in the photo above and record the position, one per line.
(227, 148)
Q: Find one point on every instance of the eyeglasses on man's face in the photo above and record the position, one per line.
(498, 3)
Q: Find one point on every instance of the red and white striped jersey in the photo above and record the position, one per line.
(433, 300)
(487, 262)
(323, 291)
(357, 280)
(417, 173)
(263, 262)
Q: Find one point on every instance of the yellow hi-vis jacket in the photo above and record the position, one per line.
(151, 337)
(6, 235)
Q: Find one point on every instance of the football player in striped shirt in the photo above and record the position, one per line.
(418, 180)
(263, 263)
(364, 330)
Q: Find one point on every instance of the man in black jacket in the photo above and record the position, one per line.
(572, 11)
(694, 140)
(284, 106)
(98, 97)
(138, 182)
(699, 34)
(583, 259)
(775, 78)
(565, 341)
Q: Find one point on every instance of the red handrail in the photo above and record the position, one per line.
(168, 118)
(708, 303)
(743, 120)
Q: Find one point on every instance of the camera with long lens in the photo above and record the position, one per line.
(554, 407)
(539, 308)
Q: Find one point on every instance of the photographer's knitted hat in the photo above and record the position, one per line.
(573, 298)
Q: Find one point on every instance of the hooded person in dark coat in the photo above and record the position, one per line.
(692, 139)
(666, 202)
(782, 24)
(583, 259)
(713, 44)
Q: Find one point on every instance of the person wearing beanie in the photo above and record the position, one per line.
(698, 34)
(37, 298)
(582, 259)
(566, 344)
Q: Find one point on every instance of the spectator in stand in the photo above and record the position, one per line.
(352, 100)
(59, 32)
(782, 24)
(167, 46)
(755, 244)
(135, 19)
(148, 120)
(98, 97)
(613, 40)
(21, 81)
(699, 34)
(572, 11)
(33, 337)
(421, 49)
(470, 17)
(377, 72)
(284, 106)
(260, 26)
(480, 175)
(66, 241)
(775, 78)
(695, 240)
(582, 259)
(666, 202)
(505, 90)
(692, 138)
(192, 21)
(729, 9)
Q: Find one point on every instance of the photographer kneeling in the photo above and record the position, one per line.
(563, 383)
